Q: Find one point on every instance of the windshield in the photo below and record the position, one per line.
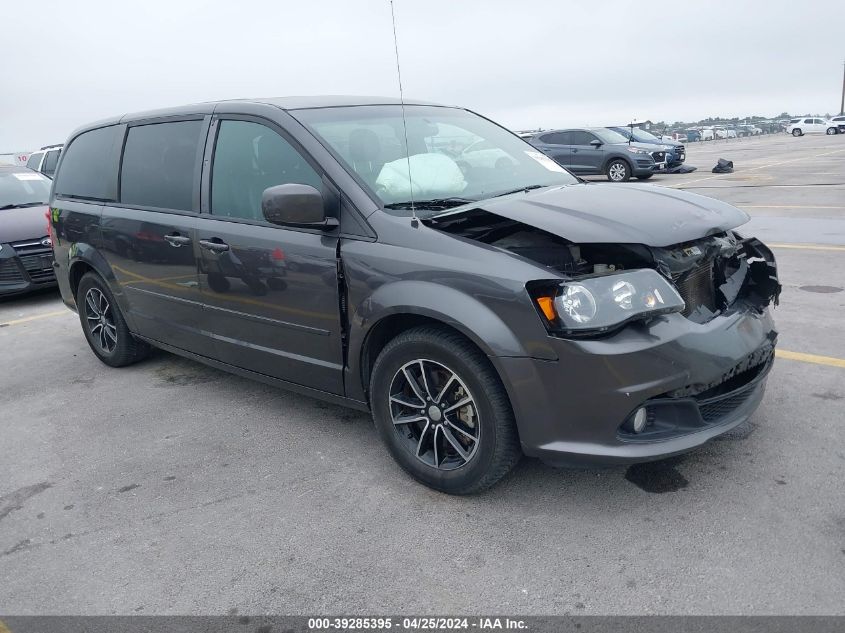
(609, 136)
(22, 188)
(455, 156)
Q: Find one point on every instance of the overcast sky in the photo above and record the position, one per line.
(525, 63)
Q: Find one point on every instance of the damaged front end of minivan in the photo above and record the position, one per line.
(676, 340)
(711, 275)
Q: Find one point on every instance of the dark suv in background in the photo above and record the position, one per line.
(598, 150)
(26, 257)
(346, 248)
(675, 151)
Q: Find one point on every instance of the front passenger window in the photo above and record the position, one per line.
(249, 158)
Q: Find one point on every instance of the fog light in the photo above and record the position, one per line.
(640, 420)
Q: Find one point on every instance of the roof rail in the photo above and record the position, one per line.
(52, 146)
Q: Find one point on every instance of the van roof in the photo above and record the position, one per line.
(284, 103)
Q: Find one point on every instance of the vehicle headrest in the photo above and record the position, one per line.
(364, 145)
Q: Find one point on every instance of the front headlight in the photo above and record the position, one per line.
(598, 304)
(637, 150)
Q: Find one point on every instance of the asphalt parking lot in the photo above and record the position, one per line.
(170, 487)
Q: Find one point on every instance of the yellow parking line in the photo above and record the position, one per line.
(787, 206)
(4, 628)
(780, 353)
(808, 247)
(34, 317)
(811, 358)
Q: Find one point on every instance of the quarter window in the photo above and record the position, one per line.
(89, 170)
(249, 158)
(159, 165)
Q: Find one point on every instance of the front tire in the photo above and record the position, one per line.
(797, 132)
(104, 326)
(618, 170)
(443, 412)
(831, 131)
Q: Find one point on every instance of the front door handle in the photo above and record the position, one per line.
(176, 240)
(215, 245)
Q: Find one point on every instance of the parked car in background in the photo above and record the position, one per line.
(598, 150)
(45, 160)
(681, 137)
(707, 134)
(840, 123)
(478, 316)
(675, 150)
(692, 135)
(811, 125)
(26, 259)
(485, 154)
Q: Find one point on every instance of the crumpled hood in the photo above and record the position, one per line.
(613, 213)
(27, 223)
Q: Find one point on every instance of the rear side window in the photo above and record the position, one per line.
(557, 138)
(50, 162)
(34, 161)
(159, 165)
(249, 158)
(89, 170)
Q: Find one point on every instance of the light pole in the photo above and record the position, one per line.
(842, 103)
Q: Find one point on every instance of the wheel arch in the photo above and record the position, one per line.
(86, 258)
(412, 304)
(614, 157)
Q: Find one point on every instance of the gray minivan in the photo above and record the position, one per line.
(481, 304)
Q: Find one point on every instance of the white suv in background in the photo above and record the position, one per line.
(810, 125)
(45, 160)
(839, 121)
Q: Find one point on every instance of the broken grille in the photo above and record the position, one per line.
(696, 288)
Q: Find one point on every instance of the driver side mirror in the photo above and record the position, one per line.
(296, 205)
(596, 143)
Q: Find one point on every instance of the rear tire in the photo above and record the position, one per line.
(104, 326)
(455, 449)
(618, 170)
(831, 131)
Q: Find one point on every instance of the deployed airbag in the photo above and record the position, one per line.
(430, 174)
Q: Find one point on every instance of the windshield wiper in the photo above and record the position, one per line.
(21, 205)
(526, 188)
(436, 203)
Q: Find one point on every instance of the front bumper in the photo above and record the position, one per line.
(25, 267)
(643, 165)
(570, 412)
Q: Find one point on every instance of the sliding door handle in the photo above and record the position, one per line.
(215, 245)
(174, 239)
